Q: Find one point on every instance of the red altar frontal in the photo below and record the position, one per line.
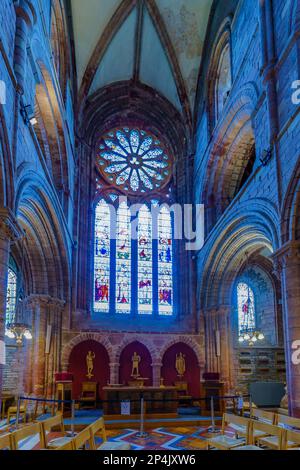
(158, 401)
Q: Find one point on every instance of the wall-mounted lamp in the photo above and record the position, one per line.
(27, 114)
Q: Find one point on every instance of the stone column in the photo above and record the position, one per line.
(211, 358)
(52, 355)
(40, 306)
(225, 359)
(9, 230)
(288, 259)
(114, 373)
(156, 372)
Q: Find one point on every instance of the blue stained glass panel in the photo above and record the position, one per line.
(102, 258)
(246, 307)
(123, 260)
(165, 262)
(145, 275)
(11, 297)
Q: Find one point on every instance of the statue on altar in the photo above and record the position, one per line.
(136, 359)
(180, 364)
(90, 364)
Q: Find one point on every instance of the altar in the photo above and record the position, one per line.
(114, 396)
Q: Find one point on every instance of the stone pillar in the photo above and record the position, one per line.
(114, 373)
(156, 372)
(40, 305)
(53, 354)
(226, 350)
(288, 259)
(9, 230)
(211, 358)
(25, 19)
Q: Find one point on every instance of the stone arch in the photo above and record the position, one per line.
(98, 337)
(131, 339)
(224, 253)
(50, 132)
(189, 341)
(59, 43)
(290, 215)
(6, 166)
(231, 134)
(223, 40)
(48, 257)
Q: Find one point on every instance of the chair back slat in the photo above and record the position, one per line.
(83, 438)
(23, 433)
(98, 427)
(48, 425)
(67, 446)
(288, 421)
(264, 416)
(267, 429)
(6, 442)
(290, 436)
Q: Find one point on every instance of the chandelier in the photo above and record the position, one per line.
(19, 329)
(248, 332)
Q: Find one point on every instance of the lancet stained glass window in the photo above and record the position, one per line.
(134, 160)
(129, 276)
(145, 283)
(11, 296)
(123, 260)
(165, 257)
(246, 307)
(102, 258)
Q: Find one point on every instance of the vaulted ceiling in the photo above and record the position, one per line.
(156, 42)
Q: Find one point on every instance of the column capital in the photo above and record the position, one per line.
(9, 227)
(288, 254)
(39, 299)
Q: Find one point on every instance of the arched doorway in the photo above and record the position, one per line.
(145, 368)
(78, 367)
(192, 373)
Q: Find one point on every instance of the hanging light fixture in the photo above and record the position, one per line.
(248, 332)
(18, 329)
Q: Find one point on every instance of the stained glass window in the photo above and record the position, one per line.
(102, 258)
(134, 160)
(165, 258)
(11, 296)
(246, 307)
(145, 305)
(123, 260)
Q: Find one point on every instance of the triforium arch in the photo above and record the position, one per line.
(231, 149)
(48, 254)
(222, 44)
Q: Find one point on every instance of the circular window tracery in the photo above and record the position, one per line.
(134, 160)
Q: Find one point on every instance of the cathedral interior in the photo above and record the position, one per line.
(150, 221)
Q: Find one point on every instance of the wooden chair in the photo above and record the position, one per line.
(290, 440)
(47, 426)
(239, 424)
(82, 439)
(98, 427)
(12, 411)
(6, 442)
(288, 421)
(25, 432)
(67, 446)
(263, 416)
(271, 435)
(89, 393)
